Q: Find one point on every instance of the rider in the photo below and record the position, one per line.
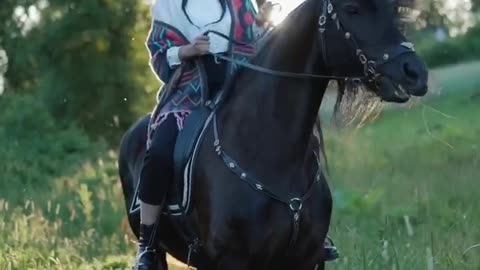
(180, 57)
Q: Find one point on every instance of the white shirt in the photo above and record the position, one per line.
(203, 14)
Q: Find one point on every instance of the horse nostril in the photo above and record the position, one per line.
(410, 72)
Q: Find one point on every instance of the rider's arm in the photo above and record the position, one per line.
(164, 40)
(177, 54)
(161, 45)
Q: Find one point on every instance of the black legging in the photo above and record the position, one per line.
(157, 171)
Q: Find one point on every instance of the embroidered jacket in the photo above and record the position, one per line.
(186, 86)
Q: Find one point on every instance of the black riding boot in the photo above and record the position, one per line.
(146, 256)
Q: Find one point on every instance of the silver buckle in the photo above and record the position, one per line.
(322, 20)
(330, 8)
(408, 45)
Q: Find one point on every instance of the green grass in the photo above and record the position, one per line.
(405, 189)
(461, 78)
(412, 170)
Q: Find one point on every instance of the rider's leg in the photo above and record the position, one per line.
(216, 70)
(149, 213)
(155, 179)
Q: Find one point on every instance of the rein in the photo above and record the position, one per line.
(327, 12)
(278, 73)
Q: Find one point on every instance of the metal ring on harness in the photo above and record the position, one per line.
(296, 204)
(322, 20)
(363, 58)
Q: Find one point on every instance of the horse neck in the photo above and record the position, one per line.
(269, 119)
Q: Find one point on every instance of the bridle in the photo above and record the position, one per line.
(370, 65)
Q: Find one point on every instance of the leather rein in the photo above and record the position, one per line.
(327, 12)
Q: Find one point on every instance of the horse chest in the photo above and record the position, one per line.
(258, 226)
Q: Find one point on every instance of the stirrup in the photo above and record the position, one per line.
(331, 252)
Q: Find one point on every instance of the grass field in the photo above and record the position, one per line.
(405, 192)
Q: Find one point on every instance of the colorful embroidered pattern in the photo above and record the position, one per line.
(244, 18)
(162, 38)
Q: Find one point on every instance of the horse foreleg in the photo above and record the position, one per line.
(162, 260)
(320, 266)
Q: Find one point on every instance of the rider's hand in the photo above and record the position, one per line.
(200, 46)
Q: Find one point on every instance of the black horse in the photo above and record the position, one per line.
(260, 199)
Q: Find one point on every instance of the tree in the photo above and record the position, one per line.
(16, 43)
(86, 55)
(475, 5)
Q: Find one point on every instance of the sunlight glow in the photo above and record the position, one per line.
(29, 17)
(459, 14)
(287, 6)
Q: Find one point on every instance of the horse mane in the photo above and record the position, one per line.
(264, 45)
(355, 105)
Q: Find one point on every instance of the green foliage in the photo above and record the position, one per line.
(21, 60)
(37, 156)
(475, 5)
(86, 72)
(86, 60)
(60, 203)
(27, 133)
(452, 51)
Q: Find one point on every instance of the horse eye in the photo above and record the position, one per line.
(352, 9)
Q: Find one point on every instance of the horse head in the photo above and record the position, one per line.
(360, 38)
